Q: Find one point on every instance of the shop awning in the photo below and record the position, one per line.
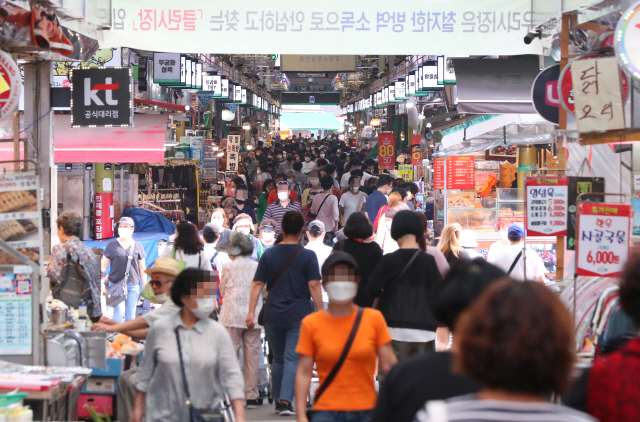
(143, 143)
(310, 121)
(494, 86)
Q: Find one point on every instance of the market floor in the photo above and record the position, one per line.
(265, 413)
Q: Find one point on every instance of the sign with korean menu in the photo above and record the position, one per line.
(603, 239)
(233, 151)
(101, 97)
(460, 172)
(15, 314)
(386, 150)
(547, 205)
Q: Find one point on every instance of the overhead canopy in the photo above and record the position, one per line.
(143, 143)
(496, 85)
(310, 121)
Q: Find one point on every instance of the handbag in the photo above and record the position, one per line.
(195, 415)
(181, 263)
(274, 280)
(117, 292)
(72, 288)
(313, 216)
(376, 302)
(343, 357)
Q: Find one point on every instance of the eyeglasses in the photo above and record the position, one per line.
(156, 283)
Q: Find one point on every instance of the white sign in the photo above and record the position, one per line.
(405, 27)
(627, 41)
(166, 68)
(603, 239)
(597, 92)
(233, 151)
(547, 206)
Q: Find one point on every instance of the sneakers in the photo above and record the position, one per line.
(278, 407)
(252, 404)
(287, 409)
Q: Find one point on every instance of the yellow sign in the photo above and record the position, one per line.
(406, 172)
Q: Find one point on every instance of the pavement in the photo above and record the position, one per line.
(266, 413)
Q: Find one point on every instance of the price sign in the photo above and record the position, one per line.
(547, 203)
(416, 155)
(460, 172)
(406, 172)
(386, 150)
(603, 239)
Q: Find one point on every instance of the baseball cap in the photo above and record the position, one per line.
(268, 225)
(127, 220)
(316, 226)
(516, 230)
(210, 228)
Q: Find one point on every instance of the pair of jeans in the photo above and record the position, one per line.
(126, 311)
(330, 416)
(283, 339)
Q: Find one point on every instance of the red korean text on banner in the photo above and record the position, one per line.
(460, 172)
(547, 202)
(416, 155)
(386, 150)
(603, 239)
(104, 215)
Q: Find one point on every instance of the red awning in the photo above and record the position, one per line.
(143, 143)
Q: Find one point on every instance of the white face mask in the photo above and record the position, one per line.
(321, 155)
(125, 232)
(283, 196)
(259, 171)
(268, 236)
(244, 230)
(307, 159)
(314, 181)
(161, 298)
(355, 188)
(341, 292)
(205, 308)
(334, 175)
(290, 181)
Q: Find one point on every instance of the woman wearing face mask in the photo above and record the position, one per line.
(174, 357)
(313, 189)
(351, 395)
(267, 234)
(188, 248)
(244, 204)
(219, 218)
(243, 224)
(261, 176)
(308, 165)
(118, 252)
(383, 236)
(267, 187)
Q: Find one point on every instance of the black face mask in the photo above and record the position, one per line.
(240, 201)
(289, 158)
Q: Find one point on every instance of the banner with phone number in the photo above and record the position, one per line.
(547, 205)
(603, 239)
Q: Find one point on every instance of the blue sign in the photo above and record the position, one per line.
(233, 107)
(204, 97)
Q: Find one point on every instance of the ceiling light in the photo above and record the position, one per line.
(107, 167)
(68, 166)
(227, 114)
(249, 147)
(187, 108)
(374, 122)
(88, 166)
(246, 126)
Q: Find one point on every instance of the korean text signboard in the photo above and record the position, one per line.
(166, 68)
(386, 150)
(460, 172)
(406, 172)
(603, 239)
(416, 155)
(598, 94)
(233, 151)
(547, 203)
(101, 97)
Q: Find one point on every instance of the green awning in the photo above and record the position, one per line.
(310, 121)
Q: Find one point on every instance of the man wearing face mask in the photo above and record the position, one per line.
(378, 198)
(287, 164)
(352, 201)
(273, 195)
(243, 224)
(267, 233)
(277, 209)
(243, 206)
(308, 165)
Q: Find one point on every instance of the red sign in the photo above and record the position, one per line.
(507, 221)
(565, 85)
(460, 172)
(603, 239)
(547, 205)
(416, 156)
(104, 215)
(386, 150)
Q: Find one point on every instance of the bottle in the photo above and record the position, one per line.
(82, 317)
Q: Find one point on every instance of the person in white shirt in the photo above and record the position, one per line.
(315, 233)
(354, 164)
(469, 243)
(353, 200)
(496, 248)
(510, 258)
(325, 207)
(308, 165)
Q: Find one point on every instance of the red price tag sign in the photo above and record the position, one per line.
(386, 151)
(547, 203)
(603, 239)
(460, 172)
(416, 155)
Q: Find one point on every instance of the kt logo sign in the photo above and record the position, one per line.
(101, 97)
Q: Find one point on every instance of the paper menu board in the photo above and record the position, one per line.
(460, 172)
(547, 205)
(15, 314)
(233, 152)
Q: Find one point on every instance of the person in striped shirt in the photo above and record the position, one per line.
(276, 210)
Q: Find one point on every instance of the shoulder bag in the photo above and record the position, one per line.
(274, 280)
(513, 265)
(313, 216)
(343, 357)
(73, 286)
(182, 264)
(376, 302)
(117, 292)
(195, 415)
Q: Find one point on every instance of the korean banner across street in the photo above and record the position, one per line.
(453, 27)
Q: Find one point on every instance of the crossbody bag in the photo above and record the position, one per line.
(274, 280)
(117, 292)
(312, 215)
(376, 302)
(338, 365)
(513, 265)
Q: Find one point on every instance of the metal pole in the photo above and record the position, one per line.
(86, 204)
(444, 202)
(121, 198)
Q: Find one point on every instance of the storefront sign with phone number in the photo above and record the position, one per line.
(603, 239)
(547, 205)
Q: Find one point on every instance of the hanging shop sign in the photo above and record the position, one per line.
(578, 185)
(204, 97)
(166, 68)
(386, 150)
(317, 63)
(456, 27)
(104, 215)
(416, 155)
(598, 94)
(233, 151)
(101, 97)
(565, 85)
(10, 86)
(544, 94)
(406, 172)
(448, 73)
(626, 43)
(547, 205)
(460, 172)
(603, 239)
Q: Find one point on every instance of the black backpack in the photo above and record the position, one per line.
(73, 286)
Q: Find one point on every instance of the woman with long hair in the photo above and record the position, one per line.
(188, 248)
(449, 244)
(267, 186)
(385, 218)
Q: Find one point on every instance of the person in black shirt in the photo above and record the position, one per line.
(428, 376)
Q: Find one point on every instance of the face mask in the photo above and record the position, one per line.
(338, 151)
(244, 230)
(341, 292)
(289, 158)
(283, 196)
(334, 175)
(307, 159)
(147, 293)
(355, 188)
(240, 201)
(290, 181)
(366, 145)
(278, 156)
(205, 308)
(321, 155)
(409, 197)
(258, 171)
(314, 181)
(125, 233)
(268, 236)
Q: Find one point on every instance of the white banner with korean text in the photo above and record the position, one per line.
(452, 27)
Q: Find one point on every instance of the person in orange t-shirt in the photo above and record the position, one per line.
(323, 335)
(273, 196)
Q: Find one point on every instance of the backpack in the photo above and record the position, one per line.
(73, 286)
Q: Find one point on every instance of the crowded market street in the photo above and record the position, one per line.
(424, 211)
